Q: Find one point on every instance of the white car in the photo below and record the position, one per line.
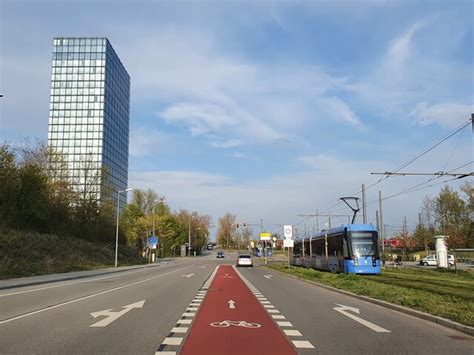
(431, 260)
(244, 260)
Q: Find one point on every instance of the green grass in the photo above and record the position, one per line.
(24, 254)
(438, 292)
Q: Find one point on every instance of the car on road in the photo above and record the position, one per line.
(430, 260)
(244, 260)
(220, 254)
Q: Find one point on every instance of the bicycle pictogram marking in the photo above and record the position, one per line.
(235, 323)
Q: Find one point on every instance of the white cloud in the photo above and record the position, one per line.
(338, 110)
(226, 144)
(446, 114)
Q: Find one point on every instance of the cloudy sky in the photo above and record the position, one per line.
(266, 109)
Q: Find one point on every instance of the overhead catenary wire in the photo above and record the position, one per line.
(407, 163)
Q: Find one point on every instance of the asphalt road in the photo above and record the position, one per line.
(143, 311)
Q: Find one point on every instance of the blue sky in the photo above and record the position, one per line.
(265, 109)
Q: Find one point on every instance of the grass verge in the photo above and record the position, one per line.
(438, 292)
(24, 254)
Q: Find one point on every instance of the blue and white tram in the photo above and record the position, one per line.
(350, 248)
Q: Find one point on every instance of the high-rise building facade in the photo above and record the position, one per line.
(89, 115)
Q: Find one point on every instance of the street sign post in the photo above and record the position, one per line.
(288, 241)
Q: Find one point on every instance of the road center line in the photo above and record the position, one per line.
(87, 297)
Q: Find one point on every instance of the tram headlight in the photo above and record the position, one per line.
(356, 262)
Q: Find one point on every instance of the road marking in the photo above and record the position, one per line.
(303, 344)
(188, 275)
(87, 297)
(172, 341)
(70, 283)
(231, 304)
(268, 276)
(278, 316)
(111, 316)
(292, 332)
(184, 321)
(235, 323)
(343, 310)
(179, 330)
(192, 309)
(265, 302)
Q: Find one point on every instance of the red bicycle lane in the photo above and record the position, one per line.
(246, 328)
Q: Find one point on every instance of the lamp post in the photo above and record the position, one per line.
(118, 215)
(154, 217)
(189, 235)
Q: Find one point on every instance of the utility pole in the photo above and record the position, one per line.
(382, 231)
(364, 206)
(317, 220)
(329, 219)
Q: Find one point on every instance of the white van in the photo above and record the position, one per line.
(431, 260)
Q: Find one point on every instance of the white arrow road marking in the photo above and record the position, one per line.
(111, 316)
(231, 304)
(343, 310)
(268, 276)
(188, 276)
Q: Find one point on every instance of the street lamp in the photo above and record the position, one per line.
(118, 214)
(195, 235)
(154, 216)
(189, 235)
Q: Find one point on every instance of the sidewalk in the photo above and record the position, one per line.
(37, 280)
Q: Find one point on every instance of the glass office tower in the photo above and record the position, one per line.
(89, 115)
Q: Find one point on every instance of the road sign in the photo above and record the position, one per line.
(152, 241)
(288, 231)
(288, 243)
(265, 236)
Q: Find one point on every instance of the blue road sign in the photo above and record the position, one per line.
(152, 241)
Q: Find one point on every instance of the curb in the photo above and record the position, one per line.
(419, 314)
(65, 277)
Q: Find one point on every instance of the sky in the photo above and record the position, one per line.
(267, 110)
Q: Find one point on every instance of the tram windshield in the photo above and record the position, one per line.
(364, 244)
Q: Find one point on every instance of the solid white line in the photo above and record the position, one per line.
(284, 324)
(303, 344)
(87, 297)
(172, 341)
(71, 283)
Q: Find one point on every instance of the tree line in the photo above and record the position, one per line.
(450, 213)
(36, 196)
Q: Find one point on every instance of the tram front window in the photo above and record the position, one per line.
(364, 244)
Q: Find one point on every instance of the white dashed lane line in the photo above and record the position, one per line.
(277, 317)
(172, 343)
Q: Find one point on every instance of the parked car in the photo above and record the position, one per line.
(431, 260)
(244, 260)
(220, 254)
